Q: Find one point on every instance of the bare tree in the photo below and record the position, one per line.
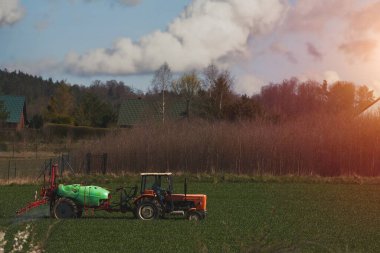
(210, 74)
(160, 83)
(187, 86)
(221, 91)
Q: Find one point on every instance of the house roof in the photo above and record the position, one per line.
(15, 106)
(135, 111)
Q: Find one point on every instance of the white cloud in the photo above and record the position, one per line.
(375, 85)
(11, 11)
(248, 84)
(354, 22)
(314, 16)
(42, 66)
(362, 33)
(206, 31)
(282, 49)
(313, 51)
(331, 76)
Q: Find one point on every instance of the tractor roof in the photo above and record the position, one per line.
(156, 174)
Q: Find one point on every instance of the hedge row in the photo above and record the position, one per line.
(52, 131)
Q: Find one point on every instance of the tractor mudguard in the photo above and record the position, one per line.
(137, 200)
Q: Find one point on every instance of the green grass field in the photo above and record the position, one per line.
(243, 217)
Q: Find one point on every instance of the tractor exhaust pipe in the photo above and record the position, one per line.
(185, 187)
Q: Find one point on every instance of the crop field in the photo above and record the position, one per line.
(242, 217)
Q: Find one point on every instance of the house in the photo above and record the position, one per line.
(16, 107)
(373, 109)
(139, 111)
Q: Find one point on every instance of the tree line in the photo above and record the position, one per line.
(63, 103)
(208, 94)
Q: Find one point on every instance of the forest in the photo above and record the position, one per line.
(209, 95)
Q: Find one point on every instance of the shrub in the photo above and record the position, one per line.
(53, 131)
(318, 145)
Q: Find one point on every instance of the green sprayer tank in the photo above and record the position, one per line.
(88, 195)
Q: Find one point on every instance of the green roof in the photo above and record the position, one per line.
(15, 106)
(135, 111)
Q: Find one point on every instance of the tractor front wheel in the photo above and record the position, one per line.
(194, 215)
(65, 209)
(147, 211)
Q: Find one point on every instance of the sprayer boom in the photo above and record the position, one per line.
(46, 193)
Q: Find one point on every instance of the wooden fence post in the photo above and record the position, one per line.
(62, 167)
(9, 169)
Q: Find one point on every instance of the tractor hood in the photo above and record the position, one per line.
(88, 195)
(200, 200)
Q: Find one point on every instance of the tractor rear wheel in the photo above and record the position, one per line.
(196, 216)
(79, 212)
(65, 209)
(147, 211)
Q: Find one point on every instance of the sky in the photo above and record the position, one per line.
(259, 41)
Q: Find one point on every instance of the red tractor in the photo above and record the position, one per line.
(156, 199)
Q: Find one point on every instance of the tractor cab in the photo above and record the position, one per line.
(153, 182)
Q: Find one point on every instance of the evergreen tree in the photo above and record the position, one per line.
(94, 112)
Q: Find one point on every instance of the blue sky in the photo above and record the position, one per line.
(260, 41)
(51, 29)
(56, 27)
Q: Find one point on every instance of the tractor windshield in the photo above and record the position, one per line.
(149, 182)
